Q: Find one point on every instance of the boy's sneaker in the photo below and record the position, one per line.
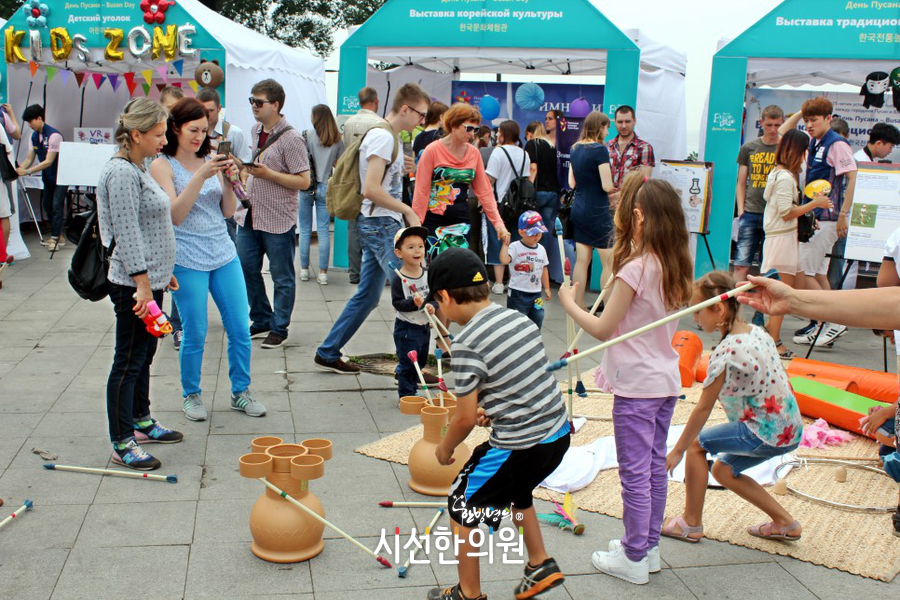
(135, 457)
(338, 366)
(617, 564)
(652, 555)
(193, 408)
(451, 593)
(830, 334)
(811, 326)
(497, 288)
(157, 434)
(273, 340)
(539, 579)
(256, 333)
(176, 339)
(304, 274)
(246, 402)
(322, 278)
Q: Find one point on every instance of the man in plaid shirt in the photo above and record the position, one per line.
(627, 152)
(277, 174)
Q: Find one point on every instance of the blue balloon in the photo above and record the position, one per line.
(26, 9)
(44, 9)
(36, 3)
(530, 96)
(32, 22)
(41, 21)
(489, 107)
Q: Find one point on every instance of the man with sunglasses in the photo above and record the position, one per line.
(278, 171)
(381, 167)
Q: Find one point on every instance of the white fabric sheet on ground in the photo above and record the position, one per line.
(581, 465)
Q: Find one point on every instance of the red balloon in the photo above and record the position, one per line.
(148, 18)
(145, 5)
(35, 12)
(163, 5)
(160, 17)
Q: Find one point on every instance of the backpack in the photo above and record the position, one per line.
(90, 263)
(344, 196)
(520, 197)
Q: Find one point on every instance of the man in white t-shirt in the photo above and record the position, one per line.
(381, 216)
(506, 163)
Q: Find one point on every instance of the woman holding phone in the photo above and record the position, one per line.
(206, 261)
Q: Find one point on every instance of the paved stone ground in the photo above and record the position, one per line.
(92, 537)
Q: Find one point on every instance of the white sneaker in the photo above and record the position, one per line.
(304, 274)
(652, 555)
(497, 288)
(615, 563)
(805, 339)
(322, 278)
(830, 334)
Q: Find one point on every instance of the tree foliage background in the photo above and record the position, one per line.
(299, 23)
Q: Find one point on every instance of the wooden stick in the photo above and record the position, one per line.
(392, 504)
(434, 323)
(593, 311)
(316, 516)
(132, 474)
(570, 327)
(641, 330)
(401, 572)
(438, 355)
(836, 457)
(413, 356)
(593, 417)
(27, 506)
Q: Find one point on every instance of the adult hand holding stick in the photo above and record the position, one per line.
(673, 317)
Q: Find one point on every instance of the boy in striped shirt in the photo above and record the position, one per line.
(501, 381)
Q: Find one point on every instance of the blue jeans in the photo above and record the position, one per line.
(226, 285)
(279, 247)
(750, 239)
(53, 199)
(409, 337)
(322, 221)
(376, 237)
(524, 303)
(174, 317)
(492, 254)
(128, 386)
(738, 447)
(548, 207)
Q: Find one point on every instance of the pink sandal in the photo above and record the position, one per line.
(668, 530)
(774, 532)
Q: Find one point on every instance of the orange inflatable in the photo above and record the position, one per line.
(702, 368)
(871, 384)
(839, 407)
(689, 348)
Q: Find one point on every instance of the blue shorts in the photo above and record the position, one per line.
(750, 239)
(738, 447)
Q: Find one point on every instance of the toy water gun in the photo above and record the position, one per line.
(157, 323)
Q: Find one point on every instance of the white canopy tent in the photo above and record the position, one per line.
(661, 100)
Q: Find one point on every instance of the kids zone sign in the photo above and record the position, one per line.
(101, 33)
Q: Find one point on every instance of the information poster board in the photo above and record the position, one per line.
(94, 135)
(875, 213)
(80, 164)
(693, 182)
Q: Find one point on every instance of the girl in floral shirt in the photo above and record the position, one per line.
(746, 375)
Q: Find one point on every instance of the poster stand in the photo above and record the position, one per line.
(693, 180)
(847, 265)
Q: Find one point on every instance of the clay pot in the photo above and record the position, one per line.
(318, 447)
(260, 444)
(412, 405)
(283, 533)
(426, 475)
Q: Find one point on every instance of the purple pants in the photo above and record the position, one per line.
(641, 427)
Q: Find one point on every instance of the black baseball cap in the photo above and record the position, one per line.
(455, 268)
(404, 233)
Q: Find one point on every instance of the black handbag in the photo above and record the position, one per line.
(90, 263)
(7, 170)
(806, 226)
(567, 200)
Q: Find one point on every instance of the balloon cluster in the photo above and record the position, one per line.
(36, 13)
(154, 10)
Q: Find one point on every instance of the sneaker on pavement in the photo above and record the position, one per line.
(338, 366)
(830, 334)
(193, 408)
(322, 278)
(539, 579)
(246, 402)
(273, 340)
(805, 339)
(811, 326)
(617, 564)
(451, 593)
(304, 274)
(135, 457)
(652, 555)
(157, 434)
(497, 288)
(53, 245)
(176, 339)
(257, 333)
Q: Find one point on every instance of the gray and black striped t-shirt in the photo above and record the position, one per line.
(501, 354)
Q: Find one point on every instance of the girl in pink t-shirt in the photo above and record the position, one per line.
(653, 271)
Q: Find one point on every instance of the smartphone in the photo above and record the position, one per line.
(224, 148)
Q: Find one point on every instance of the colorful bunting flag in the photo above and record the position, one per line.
(64, 75)
(194, 85)
(179, 66)
(148, 76)
(79, 77)
(51, 73)
(176, 84)
(160, 86)
(129, 79)
(146, 87)
(114, 81)
(132, 85)
(33, 66)
(99, 78)
(162, 70)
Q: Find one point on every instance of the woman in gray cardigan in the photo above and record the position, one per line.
(134, 212)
